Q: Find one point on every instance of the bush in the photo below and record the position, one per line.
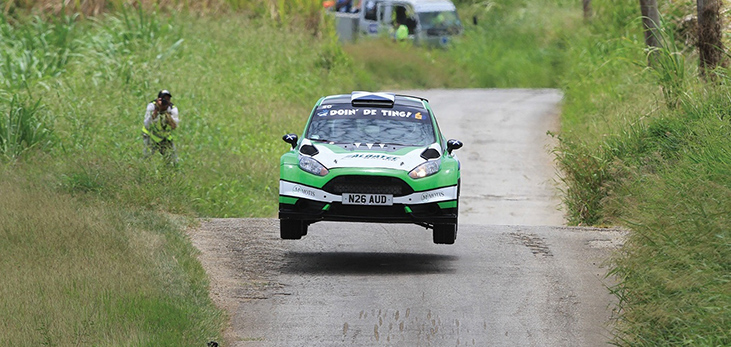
(23, 126)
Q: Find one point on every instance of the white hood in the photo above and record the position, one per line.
(369, 156)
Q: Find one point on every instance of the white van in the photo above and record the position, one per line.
(430, 22)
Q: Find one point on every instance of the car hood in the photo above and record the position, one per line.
(370, 156)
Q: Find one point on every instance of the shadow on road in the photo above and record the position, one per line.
(367, 263)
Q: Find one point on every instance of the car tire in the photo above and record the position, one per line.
(292, 229)
(445, 233)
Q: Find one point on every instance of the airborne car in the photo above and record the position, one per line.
(370, 157)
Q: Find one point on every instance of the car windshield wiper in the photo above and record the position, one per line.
(381, 143)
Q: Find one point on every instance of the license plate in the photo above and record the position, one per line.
(367, 199)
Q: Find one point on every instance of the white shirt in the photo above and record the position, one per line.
(151, 107)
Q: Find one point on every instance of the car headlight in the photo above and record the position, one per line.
(312, 166)
(426, 169)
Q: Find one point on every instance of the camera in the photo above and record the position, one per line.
(163, 105)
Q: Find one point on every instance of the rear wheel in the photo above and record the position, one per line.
(290, 229)
(445, 233)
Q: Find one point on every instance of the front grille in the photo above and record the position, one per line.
(368, 185)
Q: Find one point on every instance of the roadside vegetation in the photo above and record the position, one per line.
(648, 148)
(97, 232)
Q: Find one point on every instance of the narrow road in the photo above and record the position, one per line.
(514, 277)
(507, 169)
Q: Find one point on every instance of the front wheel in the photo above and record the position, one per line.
(292, 229)
(445, 233)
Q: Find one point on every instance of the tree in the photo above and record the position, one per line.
(650, 23)
(710, 46)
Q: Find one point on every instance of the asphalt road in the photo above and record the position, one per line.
(508, 176)
(514, 277)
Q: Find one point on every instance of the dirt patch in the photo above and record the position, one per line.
(535, 243)
(241, 262)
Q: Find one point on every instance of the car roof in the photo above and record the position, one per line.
(427, 5)
(400, 100)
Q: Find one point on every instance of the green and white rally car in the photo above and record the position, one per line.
(370, 157)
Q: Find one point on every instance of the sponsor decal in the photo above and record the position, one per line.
(304, 190)
(386, 113)
(368, 112)
(392, 113)
(326, 106)
(431, 195)
(351, 112)
(372, 156)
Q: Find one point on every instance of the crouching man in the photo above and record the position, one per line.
(161, 120)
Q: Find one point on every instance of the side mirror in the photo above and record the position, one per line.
(453, 144)
(291, 139)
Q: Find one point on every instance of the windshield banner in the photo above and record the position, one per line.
(404, 113)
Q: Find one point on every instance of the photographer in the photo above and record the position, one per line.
(161, 119)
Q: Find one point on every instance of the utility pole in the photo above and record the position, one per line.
(710, 46)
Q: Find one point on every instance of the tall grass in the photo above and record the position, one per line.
(647, 148)
(668, 64)
(88, 273)
(101, 271)
(32, 54)
(675, 284)
(22, 127)
(99, 7)
(40, 49)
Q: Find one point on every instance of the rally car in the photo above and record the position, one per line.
(370, 157)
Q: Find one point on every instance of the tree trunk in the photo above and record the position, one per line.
(710, 46)
(651, 23)
(587, 9)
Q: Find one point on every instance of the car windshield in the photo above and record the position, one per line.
(400, 125)
(444, 21)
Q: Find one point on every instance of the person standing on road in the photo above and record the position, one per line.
(161, 119)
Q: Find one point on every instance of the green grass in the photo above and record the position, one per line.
(22, 127)
(675, 276)
(647, 148)
(87, 273)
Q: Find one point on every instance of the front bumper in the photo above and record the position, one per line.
(300, 202)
